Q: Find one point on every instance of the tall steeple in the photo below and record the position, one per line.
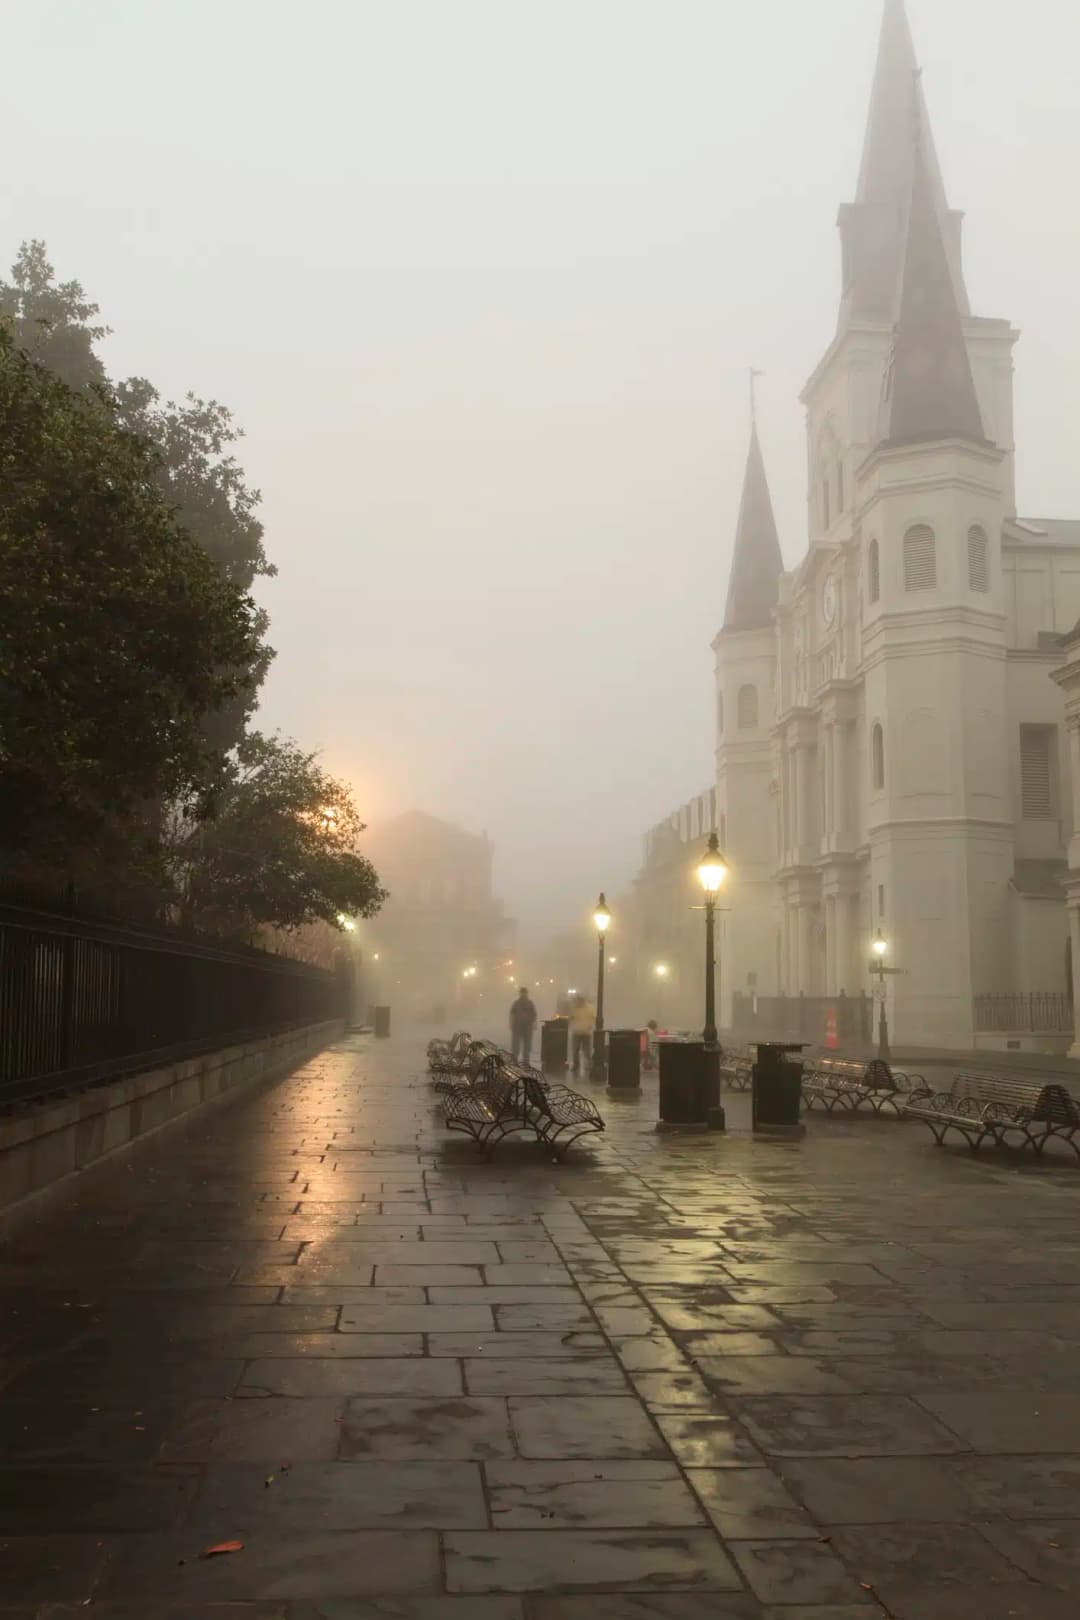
(872, 228)
(756, 564)
(929, 391)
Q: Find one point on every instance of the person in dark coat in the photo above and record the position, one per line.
(522, 1024)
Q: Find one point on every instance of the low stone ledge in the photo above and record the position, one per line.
(45, 1144)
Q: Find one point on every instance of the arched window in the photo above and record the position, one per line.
(978, 559)
(873, 572)
(826, 510)
(920, 559)
(747, 708)
(719, 714)
(839, 486)
(877, 749)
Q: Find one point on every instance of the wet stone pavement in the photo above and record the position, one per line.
(693, 1378)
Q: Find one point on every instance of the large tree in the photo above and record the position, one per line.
(279, 848)
(119, 636)
(195, 468)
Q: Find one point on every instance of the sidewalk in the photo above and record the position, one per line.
(675, 1378)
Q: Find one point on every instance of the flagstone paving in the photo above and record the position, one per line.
(673, 1378)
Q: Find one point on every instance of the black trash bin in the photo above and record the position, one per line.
(683, 1088)
(554, 1045)
(382, 1022)
(624, 1060)
(777, 1080)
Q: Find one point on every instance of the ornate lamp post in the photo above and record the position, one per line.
(880, 949)
(602, 919)
(712, 871)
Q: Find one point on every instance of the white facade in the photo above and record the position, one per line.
(890, 747)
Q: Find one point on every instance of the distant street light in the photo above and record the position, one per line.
(880, 948)
(602, 920)
(712, 871)
(661, 970)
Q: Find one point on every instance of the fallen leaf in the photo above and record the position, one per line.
(223, 1547)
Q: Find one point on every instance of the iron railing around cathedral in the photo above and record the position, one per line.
(1029, 1012)
(82, 1001)
(814, 1019)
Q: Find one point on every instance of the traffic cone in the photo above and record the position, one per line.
(832, 1040)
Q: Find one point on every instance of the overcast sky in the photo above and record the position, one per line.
(482, 280)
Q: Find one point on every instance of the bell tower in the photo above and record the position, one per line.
(745, 670)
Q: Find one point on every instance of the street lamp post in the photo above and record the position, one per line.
(880, 949)
(712, 871)
(602, 919)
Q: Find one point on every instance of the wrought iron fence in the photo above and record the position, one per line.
(81, 1001)
(804, 1018)
(1029, 1012)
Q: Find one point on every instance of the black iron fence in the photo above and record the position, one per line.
(815, 1019)
(1030, 1012)
(81, 1001)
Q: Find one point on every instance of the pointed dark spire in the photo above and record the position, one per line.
(929, 391)
(756, 564)
(873, 227)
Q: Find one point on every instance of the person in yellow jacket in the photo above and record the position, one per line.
(582, 1024)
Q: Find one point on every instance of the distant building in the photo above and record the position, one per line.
(442, 918)
(889, 747)
(662, 921)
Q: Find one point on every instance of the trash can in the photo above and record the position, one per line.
(777, 1081)
(624, 1060)
(382, 1022)
(683, 1099)
(554, 1045)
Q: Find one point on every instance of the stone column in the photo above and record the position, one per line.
(829, 795)
(840, 782)
(1074, 935)
(805, 917)
(804, 798)
(831, 906)
(844, 977)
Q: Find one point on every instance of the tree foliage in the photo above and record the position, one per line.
(51, 321)
(195, 468)
(279, 847)
(119, 635)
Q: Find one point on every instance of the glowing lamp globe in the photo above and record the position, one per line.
(713, 868)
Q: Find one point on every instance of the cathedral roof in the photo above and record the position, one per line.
(756, 564)
(929, 391)
(873, 227)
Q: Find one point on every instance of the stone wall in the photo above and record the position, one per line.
(44, 1145)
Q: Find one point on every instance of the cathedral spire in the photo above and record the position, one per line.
(872, 228)
(929, 391)
(756, 563)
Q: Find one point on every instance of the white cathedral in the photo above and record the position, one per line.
(889, 740)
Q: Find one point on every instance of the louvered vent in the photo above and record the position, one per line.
(920, 559)
(1036, 784)
(978, 559)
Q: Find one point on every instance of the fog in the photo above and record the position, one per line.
(483, 280)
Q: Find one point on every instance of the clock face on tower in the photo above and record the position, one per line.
(829, 601)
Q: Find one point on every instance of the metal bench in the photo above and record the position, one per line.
(737, 1071)
(554, 1111)
(487, 1111)
(481, 1061)
(443, 1054)
(831, 1082)
(1000, 1108)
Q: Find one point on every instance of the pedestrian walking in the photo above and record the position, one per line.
(522, 1024)
(582, 1024)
